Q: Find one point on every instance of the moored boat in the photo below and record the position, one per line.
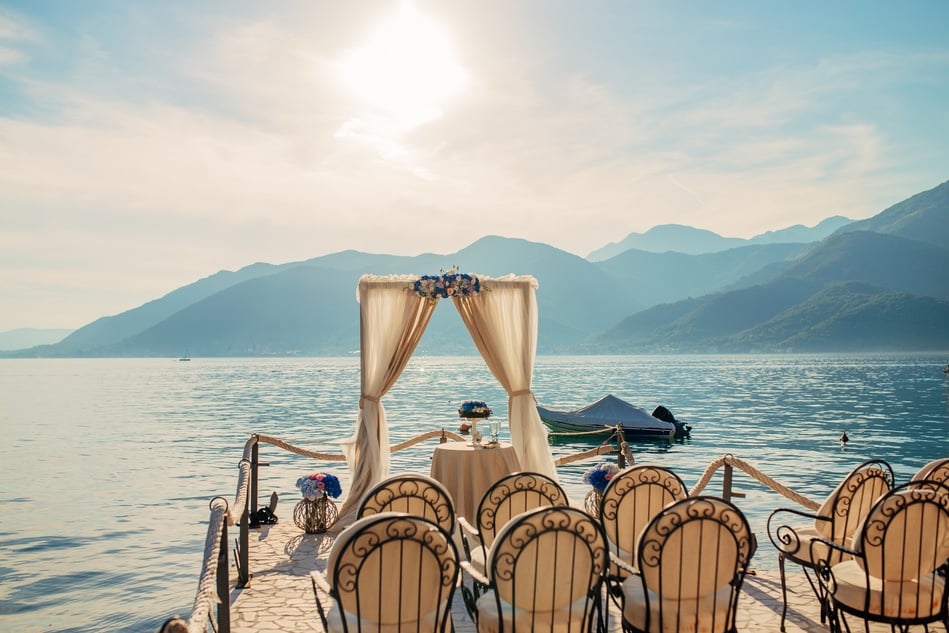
(610, 412)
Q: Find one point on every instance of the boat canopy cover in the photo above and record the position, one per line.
(609, 411)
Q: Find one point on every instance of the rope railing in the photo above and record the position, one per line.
(206, 596)
(213, 588)
(730, 460)
(209, 593)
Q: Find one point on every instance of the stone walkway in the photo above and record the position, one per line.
(280, 596)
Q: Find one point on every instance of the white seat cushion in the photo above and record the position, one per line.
(907, 599)
(680, 616)
(477, 558)
(334, 624)
(805, 555)
(618, 552)
(560, 621)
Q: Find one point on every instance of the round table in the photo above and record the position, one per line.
(467, 472)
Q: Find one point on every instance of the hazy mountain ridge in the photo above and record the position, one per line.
(692, 241)
(886, 286)
(895, 285)
(921, 217)
(21, 338)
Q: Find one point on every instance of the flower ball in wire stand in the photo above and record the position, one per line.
(316, 513)
(598, 478)
(472, 411)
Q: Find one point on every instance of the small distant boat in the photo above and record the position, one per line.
(945, 369)
(610, 411)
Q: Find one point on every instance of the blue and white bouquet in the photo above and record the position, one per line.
(474, 409)
(449, 284)
(599, 476)
(313, 486)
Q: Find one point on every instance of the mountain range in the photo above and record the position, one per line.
(871, 285)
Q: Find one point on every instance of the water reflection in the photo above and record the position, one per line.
(130, 451)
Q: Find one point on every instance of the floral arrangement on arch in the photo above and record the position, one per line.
(474, 409)
(599, 476)
(447, 284)
(313, 486)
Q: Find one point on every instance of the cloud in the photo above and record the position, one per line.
(239, 143)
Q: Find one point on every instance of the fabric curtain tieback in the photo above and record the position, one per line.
(369, 398)
(522, 392)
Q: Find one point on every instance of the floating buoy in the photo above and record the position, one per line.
(843, 440)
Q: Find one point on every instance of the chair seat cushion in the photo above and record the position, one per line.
(334, 624)
(477, 558)
(569, 618)
(616, 551)
(706, 614)
(806, 555)
(907, 599)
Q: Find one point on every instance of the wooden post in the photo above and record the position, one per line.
(727, 492)
(254, 464)
(223, 585)
(243, 551)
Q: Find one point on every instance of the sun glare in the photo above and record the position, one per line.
(406, 70)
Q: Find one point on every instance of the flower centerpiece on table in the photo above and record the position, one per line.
(598, 477)
(474, 409)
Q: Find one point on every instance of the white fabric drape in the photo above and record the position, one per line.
(392, 319)
(502, 320)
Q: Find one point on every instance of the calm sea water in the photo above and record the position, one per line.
(107, 466)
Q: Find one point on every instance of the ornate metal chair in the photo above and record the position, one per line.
(895, 569)
(691, 563)
(836, 520)
(936, 470)
(506, 498)
(545, 572)
(389, 572)
(630, 501)
(418, 495)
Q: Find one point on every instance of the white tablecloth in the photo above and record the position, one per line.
(468, 472)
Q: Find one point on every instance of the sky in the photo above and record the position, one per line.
(146, 145)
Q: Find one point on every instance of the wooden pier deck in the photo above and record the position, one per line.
(280, 595)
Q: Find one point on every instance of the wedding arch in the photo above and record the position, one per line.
(501, 316)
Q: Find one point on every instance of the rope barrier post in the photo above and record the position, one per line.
(223, 585)
(243, 551)
(727, 483)
(625, 455)
(727, 492)
(254, 463)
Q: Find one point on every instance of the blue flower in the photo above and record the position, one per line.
(449, 284)
(599, 476)
(313, 486)
(474, 409)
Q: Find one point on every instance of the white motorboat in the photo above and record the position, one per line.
(610, 411)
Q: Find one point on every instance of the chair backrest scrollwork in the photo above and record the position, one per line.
(631, 500)
(936, 470)
(551, 560)
(696, 550)
(848, 505)
(512, 495)
(393, 571)
(906, 534)
(418, 495)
